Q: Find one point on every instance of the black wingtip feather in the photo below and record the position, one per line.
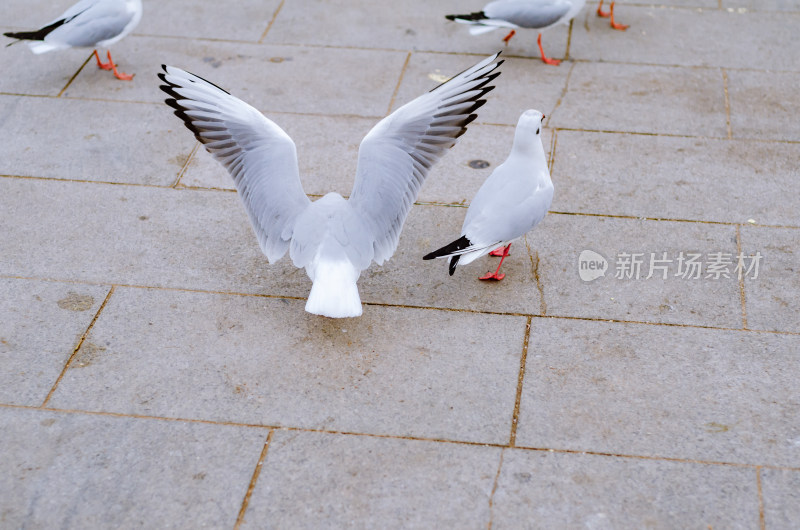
(453, 263)
(478, 15)
(459, 244)
(39, 34)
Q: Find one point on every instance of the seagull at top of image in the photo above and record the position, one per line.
(513, 200)
(529, 14)
(332, 238)
(87, 24)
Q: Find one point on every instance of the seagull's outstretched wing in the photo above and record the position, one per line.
(396, 155)
(258, 154)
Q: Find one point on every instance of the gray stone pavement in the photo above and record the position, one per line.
(157, 372)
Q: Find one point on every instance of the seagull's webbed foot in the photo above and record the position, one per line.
(497, 275)
(600, 12)
(621, 27)
(508, 37)
(545, 59)
(119, 75)
(100, 64)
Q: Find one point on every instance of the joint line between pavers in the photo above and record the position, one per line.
(569, 40)
(742, 296)
(512, 439)
(271, 22)
(761, 518)
(77, 347)
(494, 489)
(253, 480)
(561, 96)
(183, 169)
(71, 79)
(727, 103)
(399, 82)
(82, 181)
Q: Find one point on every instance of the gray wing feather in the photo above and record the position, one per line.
(396, 155)
(528, 14)
(258, 154)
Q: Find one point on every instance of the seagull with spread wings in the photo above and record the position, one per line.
(332, 238)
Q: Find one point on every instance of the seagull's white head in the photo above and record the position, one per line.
(531, 120)
(528, 135)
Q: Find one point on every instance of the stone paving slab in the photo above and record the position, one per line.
(694, 38)
(645, 99)
(243, 20)
(269, 77)
(781, 497)
(710, 395)
(184, 239)
(763, 105)
(676, 178)
(41, 326)
(43, 75)
(109, 137)
(536, 85)
(763, 5)
(625, 294)
(77, 471)
(376, 483)
(773, 299)
(253, 360)
(554, 490)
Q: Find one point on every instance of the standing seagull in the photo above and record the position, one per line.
(532, 14)
(513, 200)
(332, 238)
(89, 24)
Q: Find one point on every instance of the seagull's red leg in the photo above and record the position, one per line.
(554, 62)
(621, 27)
(119, 75)
(508, 37)
(102, 65)
(500, 252)
(600, 12)
(494, 275)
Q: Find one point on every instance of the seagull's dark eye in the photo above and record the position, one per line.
(537, 131)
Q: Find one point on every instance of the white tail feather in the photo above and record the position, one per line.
(40, 46)
(334, 292)
(480, 30)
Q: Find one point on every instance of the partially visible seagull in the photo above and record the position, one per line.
(513, 200)
(610, 13)
(89, 24)
(332, 238)
(531, 14)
